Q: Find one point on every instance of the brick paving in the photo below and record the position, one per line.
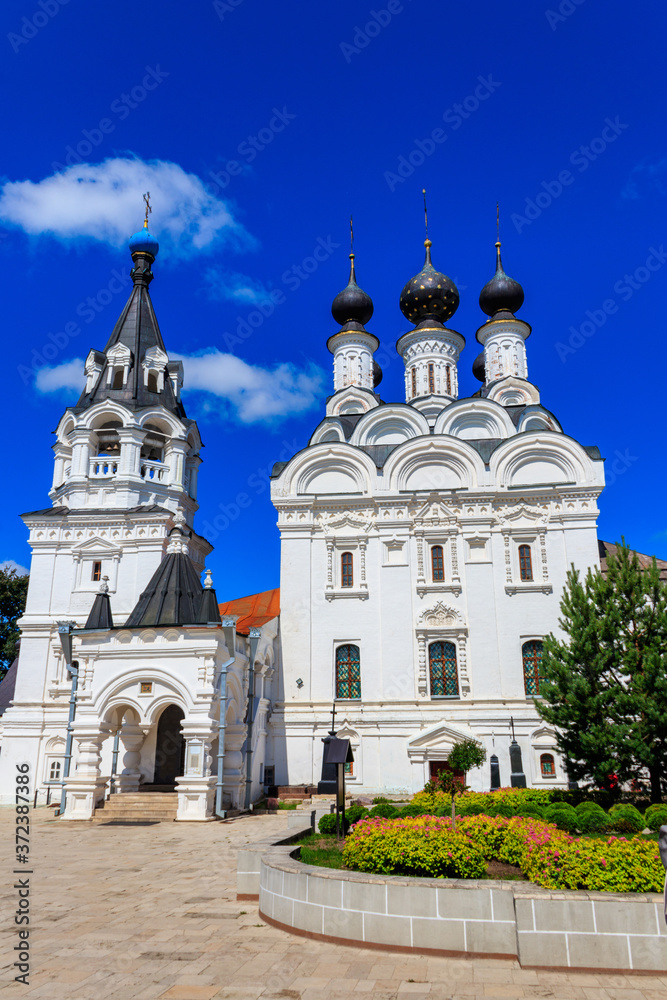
(147, 912)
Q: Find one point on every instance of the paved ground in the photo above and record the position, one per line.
(145, 912)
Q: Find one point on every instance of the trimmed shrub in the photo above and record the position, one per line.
(592, 818)
(656, 816)
(428, 802)
(327, 825)
(355, 813)
(626, 819)
(563, 815)
(384, 809)
(613, 865)
(465, 808)
(532, 810)
(412, 810)
(413, 846)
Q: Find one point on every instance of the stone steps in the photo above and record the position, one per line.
(135, 806)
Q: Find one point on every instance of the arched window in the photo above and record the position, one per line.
(449, 380)
(532, 666)
(152, 382)
(108, 440)
(118, 379)
(54, 770)
(431, 378)
(414, 381)
(348, 672)
(437, 564)
(525, 563)
(346, 573)
(443, 670)
(547, 765)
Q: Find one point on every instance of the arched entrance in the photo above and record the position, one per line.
(169, 747)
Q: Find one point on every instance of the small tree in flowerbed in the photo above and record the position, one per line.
(463, 757)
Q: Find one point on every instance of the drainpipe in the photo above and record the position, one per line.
(114, 762)
(65, 635)
(229, 628)
(255, 635)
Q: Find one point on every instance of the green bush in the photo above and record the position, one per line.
(413, 810)
(464, 808)
(530, 810)
(327, 825)
(379, 799)
(420, 846)
(656, 816)
(592, 818)
(384, 809)
(626, 819)
(563, 815)
(355, 813)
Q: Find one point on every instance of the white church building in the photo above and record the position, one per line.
(424, 549)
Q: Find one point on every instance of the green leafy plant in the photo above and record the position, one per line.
(626, 819)
(355, 813)
(327, 824)
(656, 816)
(384, 809)
(413, 846)
(563, 815)
(379, 799)
(591, 818)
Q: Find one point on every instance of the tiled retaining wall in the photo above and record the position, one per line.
(576, 930)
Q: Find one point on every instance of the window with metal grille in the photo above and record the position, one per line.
(349, 769)
(532, 665)
(525, 563)
(97, 572)
(346, 574)
(443, 670)
(348, 672)
(431, 378)
(55, 769)
(437, 564)
(449, 380)
(414, 381)
(547, 766)
(269, 774)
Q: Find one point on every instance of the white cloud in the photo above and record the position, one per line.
(250, 392)
(229, 286)
(103, 201)
(67, 376)
(256, 394)
(8, 565)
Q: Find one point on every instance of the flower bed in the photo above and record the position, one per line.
(549, 857)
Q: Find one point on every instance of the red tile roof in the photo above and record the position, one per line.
(254, 610)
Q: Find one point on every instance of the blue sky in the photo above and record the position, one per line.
(258, 128)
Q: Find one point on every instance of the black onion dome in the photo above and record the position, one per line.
(478, 369)
(502, 293)
(352, 305)
(430, 294)
(377, 374)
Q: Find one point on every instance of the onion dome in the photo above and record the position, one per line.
(502, 293)
(377, 374)
(144, 242)
(478, 368)
(430, 294)
(352, 305)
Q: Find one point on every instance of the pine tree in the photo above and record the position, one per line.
(13, 592)
(605, 686)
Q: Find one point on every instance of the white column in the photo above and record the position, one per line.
(177, 453)
(132, 739)
(85, 787)
(80, 454)
(196, 788)
(131, 439)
